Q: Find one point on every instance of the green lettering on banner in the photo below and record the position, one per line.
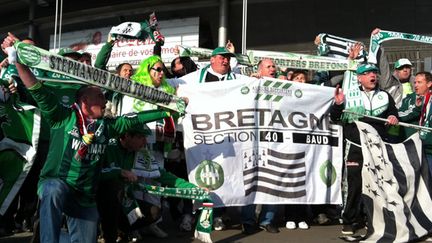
(282, 59)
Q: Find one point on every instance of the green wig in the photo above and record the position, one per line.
(142, 75)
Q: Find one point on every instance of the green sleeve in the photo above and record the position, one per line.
(408, 111)
(170, 180)
(123, 123)
(49, 104)
(114, 160)
(104, 55)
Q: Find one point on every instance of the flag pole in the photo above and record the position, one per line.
(404, 124)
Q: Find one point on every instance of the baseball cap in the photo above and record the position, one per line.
(222, 51)
(402, 62)
(142, 129)
(367, 67)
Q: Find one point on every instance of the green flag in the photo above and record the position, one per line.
(19, 136)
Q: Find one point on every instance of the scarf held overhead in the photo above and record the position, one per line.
(42, 59)
(384, 35)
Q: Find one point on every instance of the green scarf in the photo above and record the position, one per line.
(35, 57)
(384, 35)
(353, 97)
(204, 225)
(281, 59)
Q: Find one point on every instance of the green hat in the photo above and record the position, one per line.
(402, 62)
(140, 128)
(367, 67)
(222, 51)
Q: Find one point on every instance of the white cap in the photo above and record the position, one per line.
(402, 62)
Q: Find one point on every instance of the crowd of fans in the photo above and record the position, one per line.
(66, 184)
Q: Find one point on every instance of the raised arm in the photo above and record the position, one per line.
(24, 72)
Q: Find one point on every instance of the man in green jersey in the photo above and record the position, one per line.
(78, 138)
(416, 109)
(126, 158)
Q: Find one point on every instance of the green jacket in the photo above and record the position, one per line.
(82, 176)
(65, 92)
(409, 113)
(103, 56)
(117, 158)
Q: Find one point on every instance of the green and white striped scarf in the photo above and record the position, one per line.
(353, 97)
(384, 35)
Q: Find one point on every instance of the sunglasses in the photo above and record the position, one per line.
(158, 69)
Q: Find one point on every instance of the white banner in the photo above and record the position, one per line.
(263, 141)
(176, 32)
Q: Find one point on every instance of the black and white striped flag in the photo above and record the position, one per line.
(396, 188)
(334, 46)
(275, 173)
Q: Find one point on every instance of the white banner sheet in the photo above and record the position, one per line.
(263, 141)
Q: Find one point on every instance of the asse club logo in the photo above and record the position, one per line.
(244, 90)
(209, 174)
(328, 173)
(28, 54)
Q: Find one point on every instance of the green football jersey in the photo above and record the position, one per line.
(65, 139)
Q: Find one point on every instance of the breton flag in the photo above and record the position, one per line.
(396, 188)
(275, 173)
(334, 46)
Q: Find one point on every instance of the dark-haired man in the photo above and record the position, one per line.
(125, 158)
(78, 138)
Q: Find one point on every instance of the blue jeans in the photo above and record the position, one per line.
(266, 217)
(58, 198)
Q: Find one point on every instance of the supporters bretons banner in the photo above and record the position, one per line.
(39, 58)
(384, 35)
(396, 188)
(281, 59)
(266, 141)
(302, 61)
